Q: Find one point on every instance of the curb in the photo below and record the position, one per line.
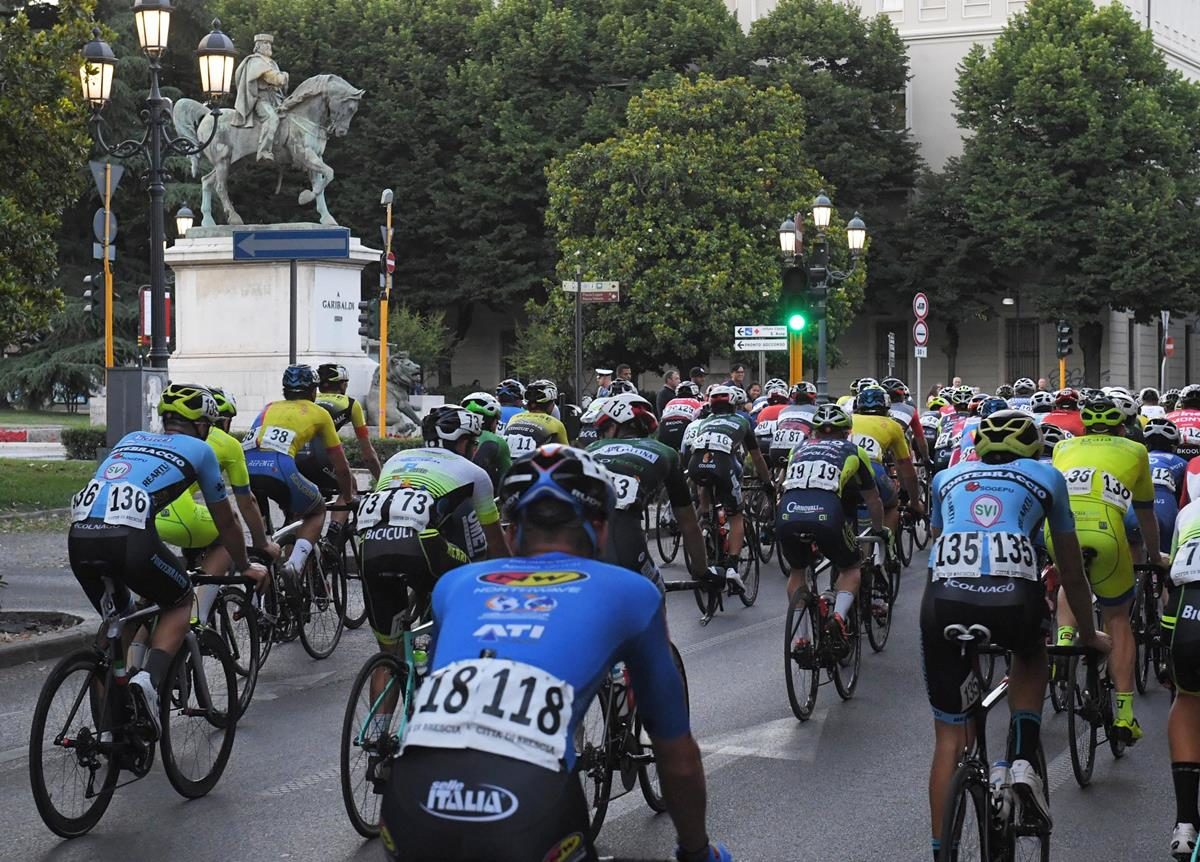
(48, 646)
(33, 434)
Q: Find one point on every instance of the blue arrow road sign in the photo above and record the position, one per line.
(291, 244)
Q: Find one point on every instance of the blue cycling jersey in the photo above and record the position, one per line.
(144, 473)
(523, 645)
(1020, 402)
(1167, 470)
(507, 412)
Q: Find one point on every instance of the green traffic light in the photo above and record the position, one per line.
(796, 322)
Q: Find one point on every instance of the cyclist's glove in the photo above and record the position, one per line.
(711, 853)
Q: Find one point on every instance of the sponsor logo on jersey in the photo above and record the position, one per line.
(455, 800)
(505, 631)
(539, 603)
(613, 449)
(570, 849)
(116, 471)
(531, 579)
(389, 534)
(503, 602)
(794, 507)
(1009, 586)
(986, 510)
(160, 470)
(1190, 612)
(533, 605)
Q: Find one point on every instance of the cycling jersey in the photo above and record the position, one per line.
(1020, 402)
(507, 411)
(286, 426)
(677, 414)
(765, 422)
(880, 436)
(344, 409)
(908, 417)
(527, 431)
(1181, 616)
(723, 433)
(185, 522)
(1151, 411)
(1167, 471)
(965, 450)
(1187, 421)
(714, 447)
(491, 453)
(1068, 420)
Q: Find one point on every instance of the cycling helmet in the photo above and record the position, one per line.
(1005, 391)
(510, 390)
(1087, 393)
(1041, 402)
(992, 405)
(541, 392)
(774, 382)
(720, 395)
(1052, 435)
(1116, 390)
(1008, 432)
(630, 409)
(331, 372)
(620, 386)
(975, 402)
(299, 378)
(895, 388)
(483, 403)
(872, 399)
(1066, 399)
(1161, 434)
(687, 389)
(556, 472)
(947, 392)
(936, 402)
(1024, 387)
(1101, 414)
(594, 409)
(1148, 394)
(739, 396)
(188, 401)
(776, 392)
(449, 423)
(960, 396)
(865, 383)
(1170, 398)
(831, 417)
(803, 393)
(1125, 403)
(226, 403)
(1189, 396)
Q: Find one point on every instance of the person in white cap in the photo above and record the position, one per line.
(603, 382)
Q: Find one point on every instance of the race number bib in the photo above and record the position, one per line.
(81, 503)
(870, 444)
(713, 441)
(277, 439)
(689, 435)
(127, 506)
(973, 554)
(496, 705)
(520, 444)
(402, 507)
(1163, 478)
(1112, 491)
(765, 429)
(787, 438)
(1185, 568)
(626, 488)
(813, 475)
(944, 440)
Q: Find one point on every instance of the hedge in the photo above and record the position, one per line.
(81, 443)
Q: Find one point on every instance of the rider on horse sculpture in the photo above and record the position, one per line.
(260, 91)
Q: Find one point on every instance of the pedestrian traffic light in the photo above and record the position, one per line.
(794, 300)
(1064, 339)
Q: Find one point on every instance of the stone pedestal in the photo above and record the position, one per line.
(231, 317)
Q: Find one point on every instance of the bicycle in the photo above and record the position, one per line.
(229, 610)
(1145, 617)
(87, 747)
(710, 593)
(760, 507)
(1090, 707)
(982, 820)
(667, 535)
(342, 551)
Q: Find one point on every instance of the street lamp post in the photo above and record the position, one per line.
(216, 57)
(820, 277)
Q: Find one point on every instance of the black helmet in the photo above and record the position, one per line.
(331, 372)
(1189, 396)
(1161, 434)
(620, 386)
(541, 392)
(449, 423)
(561, 473)
(299, 378)
(1052, 435)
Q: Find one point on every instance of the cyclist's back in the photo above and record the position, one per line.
(186, 523)
(279, 432)
(678, 414)
(536, 426)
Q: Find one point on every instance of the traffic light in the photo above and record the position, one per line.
(796, 321)
(364, 319)
(794, 300)
(1064, 339)
(93, 293)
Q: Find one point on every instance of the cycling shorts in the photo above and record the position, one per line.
(809, 521)
(395, 559)
(885, 486)
(275, 476)
(430, 811)
(315, 466)
(1183, 616)
(1013, 609)
(1101, 529)
(720, 472)
(627, 546)
(134, 559)
(186, 524)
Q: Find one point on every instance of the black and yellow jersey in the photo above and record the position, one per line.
(344, 409)
(829, 465)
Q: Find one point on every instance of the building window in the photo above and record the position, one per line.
(976, 8)
(891, 5)
(1021, 340)
(932, 10)
(901, 330)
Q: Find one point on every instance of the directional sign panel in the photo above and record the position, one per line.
(291, 244)
(760, 332)
(920, 333)
(593, 286)
(744, 345)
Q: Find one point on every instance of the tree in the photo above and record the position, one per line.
(43, 140)
(1081, 176)
(424, 337)
(682, 207)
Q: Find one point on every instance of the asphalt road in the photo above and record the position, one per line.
(847, 786)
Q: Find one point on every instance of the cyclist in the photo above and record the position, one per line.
(1005, 391)
(587, 422)
(906, 413)
(1066, 412)
(526, 431)
(1023, 390)
(279, 432)
(1186, 417)
(1148, 403)
(511, 395)
(950, 428)
(491, 452)
(190, 526)
(983, 570)
(678, 414)
(793, 424)
(114, 535)
(432, 510)
(1105, 473)
(1129, 409)
(1181, 622)
(826, 478)
(965, 451)
(472, 734)
(777, 398)
(642, 467)
(715, 463)
(1167, 470)
(1170, 399)
(881, 437)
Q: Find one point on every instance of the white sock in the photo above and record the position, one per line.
(300, 552)
(843, 603)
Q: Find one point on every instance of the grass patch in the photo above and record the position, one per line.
(26, 418)
(30, 486)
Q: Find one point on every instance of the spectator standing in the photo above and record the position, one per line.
(624, 372)
(603, 382)
(737, 376)
(1043, 385)
(699, 376)
(668, 390)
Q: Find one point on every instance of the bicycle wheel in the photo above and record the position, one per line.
(965, 818)
(594, 757)
(748, 564)
(236, 621)
(648, 771)
(846, 670)
(877, 607)
(324, 595)
(667, 536)
(198, 708)
(72, 777)
(906, 540)
(369, 737)
(1081, 728)
(763, 511)
(801, 670)
(921, 531)
(1060, 683)
(1141, 657)
(356, 607)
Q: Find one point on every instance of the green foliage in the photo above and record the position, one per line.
(682, 207)
(423, 336)
(81, 443)
(32, 486)
(43, 140)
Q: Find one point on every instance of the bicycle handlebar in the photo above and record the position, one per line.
(680, 586)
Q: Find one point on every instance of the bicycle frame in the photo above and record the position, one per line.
(410, 685)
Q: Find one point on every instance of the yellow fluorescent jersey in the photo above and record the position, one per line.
(1104, 469)
(231, 458)
(344, 409)
(879, 435)
(286, 426)
(527, 431)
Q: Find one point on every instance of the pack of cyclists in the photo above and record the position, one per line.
(497, 501)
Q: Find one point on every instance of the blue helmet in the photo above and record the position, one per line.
(872, 399)
(510, 391)
(299, 378)
(991, 405)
